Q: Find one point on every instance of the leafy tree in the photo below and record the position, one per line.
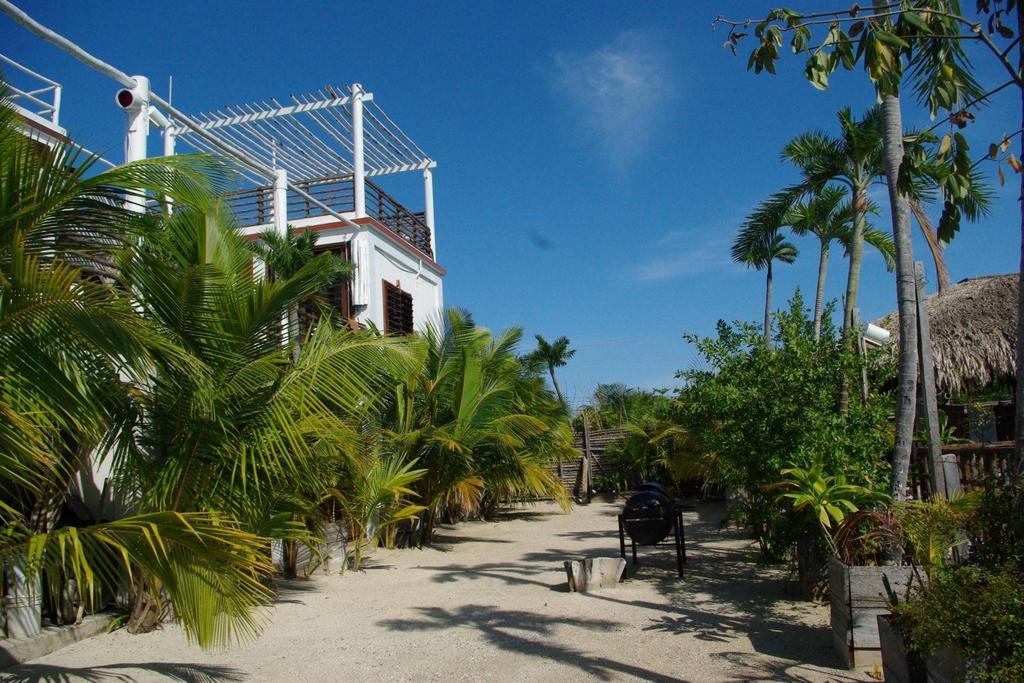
(482, 427)
(72, 349)
(284, 256)
(854, 158)
(758, 246)
(232, 421)
(754, 412)
(553, 355)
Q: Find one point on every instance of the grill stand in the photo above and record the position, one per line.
(680, 539)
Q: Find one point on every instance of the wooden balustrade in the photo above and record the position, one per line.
(977, 462)
(256, 207)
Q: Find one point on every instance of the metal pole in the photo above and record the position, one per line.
(55, 117)
(137, 122)
(428, 207)
(359, 168)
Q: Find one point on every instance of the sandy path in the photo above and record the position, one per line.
(490, 603)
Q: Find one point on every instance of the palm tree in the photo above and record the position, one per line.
(483, 428)
(234, 422)
(854, 158)
(829, 218)
(71, 348)
(553, 356)
(284, 256)
(758, 246)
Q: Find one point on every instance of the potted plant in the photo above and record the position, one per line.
(855, 589)
(917, 537)
(967, 621)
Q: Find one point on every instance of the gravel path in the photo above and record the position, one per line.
(489, 602)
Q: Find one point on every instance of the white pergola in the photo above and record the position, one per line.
(332, 133)
(335, 132)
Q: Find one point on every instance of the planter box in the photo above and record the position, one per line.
(946, 666)
(901, 666)
(898, 664)
(857, 597)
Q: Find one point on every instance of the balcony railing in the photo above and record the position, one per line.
(39, 95)
(256, 207)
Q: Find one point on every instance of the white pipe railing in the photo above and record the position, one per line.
(44, 109)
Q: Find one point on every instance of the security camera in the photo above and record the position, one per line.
(875, 334)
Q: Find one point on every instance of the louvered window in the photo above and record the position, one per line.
(397, 310)
(336, 297)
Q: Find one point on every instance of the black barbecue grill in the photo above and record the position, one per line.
(648, 517)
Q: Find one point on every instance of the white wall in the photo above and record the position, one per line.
(401, 268)
(378, 258)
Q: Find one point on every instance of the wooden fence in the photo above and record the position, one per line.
(570, 472)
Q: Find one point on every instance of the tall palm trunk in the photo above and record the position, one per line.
(934, 244)
(859, 208)
(819, 296)
(768, 306)
(1019, 391)
(293, 333)
(554, 383)
(906, 285)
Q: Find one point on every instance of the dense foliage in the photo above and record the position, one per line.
(754, 411)
(479, 422)
(147, 344)
(978, 611)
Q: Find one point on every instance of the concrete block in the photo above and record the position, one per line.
(594, 573)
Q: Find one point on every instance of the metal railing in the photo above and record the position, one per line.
(43, 101)
(256, 207)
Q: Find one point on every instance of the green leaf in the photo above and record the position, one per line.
(915, 20)
(891, 39)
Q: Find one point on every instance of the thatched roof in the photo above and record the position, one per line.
(974, 331)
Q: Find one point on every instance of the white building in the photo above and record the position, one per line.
(312, 163)
(326, 149)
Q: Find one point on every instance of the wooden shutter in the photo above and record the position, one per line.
(397, 310)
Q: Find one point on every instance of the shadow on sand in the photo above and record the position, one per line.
(518, 631)
(724, 597)
(184, 672)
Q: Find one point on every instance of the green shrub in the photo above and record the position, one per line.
(978, 611)
(754, 411)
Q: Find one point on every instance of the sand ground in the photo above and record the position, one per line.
(490, 602)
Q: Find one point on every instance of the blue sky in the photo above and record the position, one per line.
(595, 159)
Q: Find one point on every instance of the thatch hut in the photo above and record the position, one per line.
(974, 333)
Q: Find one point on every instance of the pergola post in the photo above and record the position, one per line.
(170, 138)
(428, 207)
(358, 164)
(281, 201)
(135, 103)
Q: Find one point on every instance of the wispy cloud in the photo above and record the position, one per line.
(681, 253)
(620, 91)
